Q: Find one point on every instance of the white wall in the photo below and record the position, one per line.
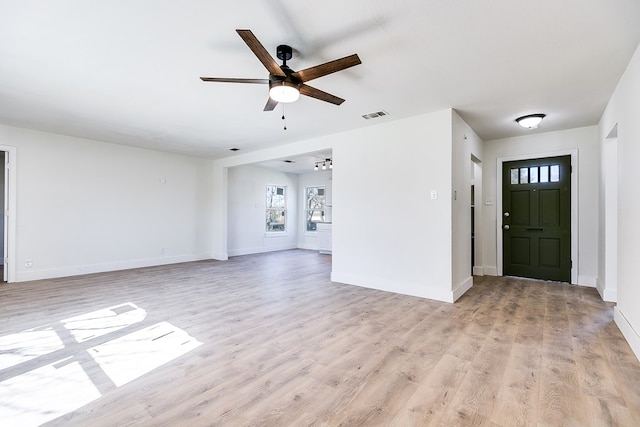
(542, 144)
(465, 144)
(308, 239)
(387, 232)
(86, 206)
(247, 211)
(623, 110)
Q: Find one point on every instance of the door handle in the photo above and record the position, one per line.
(506, 226)
(534, 229)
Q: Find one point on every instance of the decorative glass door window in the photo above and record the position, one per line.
(314, 206)
(276, 208)
(535, 174)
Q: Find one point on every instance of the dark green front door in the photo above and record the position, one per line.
(536, 218)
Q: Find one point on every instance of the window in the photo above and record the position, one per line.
(276, 208)
(314, 206)
(535, 175)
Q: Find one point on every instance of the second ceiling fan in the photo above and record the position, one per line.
(286, 85)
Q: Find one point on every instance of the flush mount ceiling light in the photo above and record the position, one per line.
(530, 121)
(284, 91)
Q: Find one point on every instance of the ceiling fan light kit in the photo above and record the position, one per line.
(284, 91)
(530, 121)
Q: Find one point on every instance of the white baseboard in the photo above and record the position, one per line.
(222, 256)
(589, 281)
(490, 271)
(413, 289)
(313, 247)
(462, 288)
(76, 270)
(607, 294)
(478, 271)
(627, 330)
(610, 295)
(261, 250)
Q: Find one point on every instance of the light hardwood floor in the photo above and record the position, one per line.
(283, 345)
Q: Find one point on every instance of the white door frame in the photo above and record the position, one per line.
(610, 166)
(574, 204)
(478, 262)
(10, 213)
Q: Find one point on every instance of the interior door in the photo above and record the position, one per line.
(536, 220)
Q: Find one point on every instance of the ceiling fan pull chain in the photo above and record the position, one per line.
(283, 118)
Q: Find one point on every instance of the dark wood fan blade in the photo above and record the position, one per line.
(318, 94)
(327, 68)
(232, 80)
(259, 51)
(271, 104)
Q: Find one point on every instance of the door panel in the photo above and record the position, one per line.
(550, 253)
(521, 247)
(537, 218)
(521, 208)
(550, 208)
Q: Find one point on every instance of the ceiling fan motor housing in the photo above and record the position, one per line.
(289, 79)
(284, 52)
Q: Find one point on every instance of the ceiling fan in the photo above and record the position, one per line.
(286, 85)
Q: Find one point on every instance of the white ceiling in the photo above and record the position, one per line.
(128, 71)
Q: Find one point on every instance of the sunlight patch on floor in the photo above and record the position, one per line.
(102, 322)
(127, 358)
(27, 345)
(50, 390)
(46, 393)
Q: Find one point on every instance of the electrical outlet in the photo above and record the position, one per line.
(434, 194)
(28, 263)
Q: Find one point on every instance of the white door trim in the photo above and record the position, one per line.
(610, 170)
(574, 204)
(10, 212)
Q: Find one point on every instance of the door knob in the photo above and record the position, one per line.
(506, 214)
(506, 226)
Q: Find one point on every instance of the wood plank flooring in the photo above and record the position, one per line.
(282, 345)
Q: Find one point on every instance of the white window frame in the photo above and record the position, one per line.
(271, 233)
(306, 208)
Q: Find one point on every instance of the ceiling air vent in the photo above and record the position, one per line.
(374, 115)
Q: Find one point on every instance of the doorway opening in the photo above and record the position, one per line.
(609, 234)
(476, 217)
(3, 218)
(8, 217)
